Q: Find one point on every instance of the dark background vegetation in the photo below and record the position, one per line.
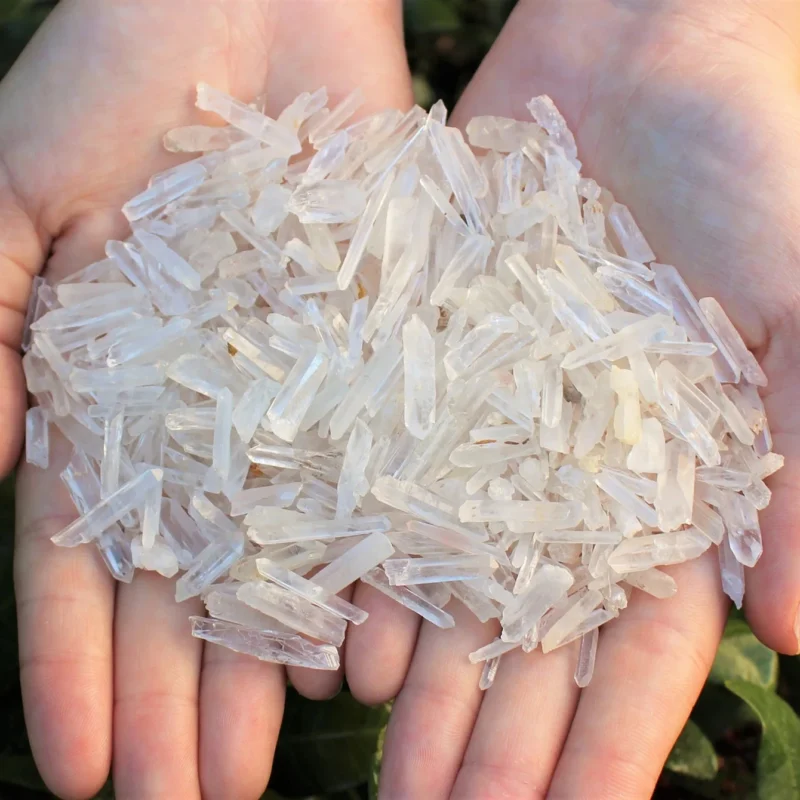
(744, 737)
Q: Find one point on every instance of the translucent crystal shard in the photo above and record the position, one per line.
(252, 407)
(110, 510)
(552, 393)
(489, 673)
(157, 557)
(365, 228)
(410, 571)
(492, 650)
(707, 521)
(480, 339)
(296, 395)
(371, 377)
(293, 610)
(325, 530)
(510, 183)
(744, 360)
(172, 263)
(649, 453)
(731, 572)
(586, 658)
(353, 563)
(544, 111)
(614, 487)
(550, 584)
(308, 589)
(274, 647)
(338, 116)
(151, 518)
(200, 138)
(453, 170)
(547, 513)
(566, 625)
(401, 594)
(353, 484)
(625, 342)
(675, 497)
(627, 415)
(686, 415)
(657, 550)
(581, 277)
(173, 185)
(247, 119)
(419, 366)
(744, 532)
(630, 237)
(37, 438)
(597, 413)
(653, 582)
(689, 314)
(221, 455)
(465, 263)
(211, 564)
(327, 202)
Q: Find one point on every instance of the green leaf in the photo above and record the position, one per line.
(693, 754)
(779, 753)
(423, 94)
(432, 16)
(377, 760)
(742, 657)
(328, 746)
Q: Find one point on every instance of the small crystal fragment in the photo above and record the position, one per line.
(275, 647)
(419, 367)
(37, 438)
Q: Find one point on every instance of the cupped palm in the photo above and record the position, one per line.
(82, 115)
(689, 113)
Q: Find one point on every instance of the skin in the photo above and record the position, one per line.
(113, 671)
(688, 112)
(685, 109)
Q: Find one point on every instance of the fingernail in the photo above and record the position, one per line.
(797, 630)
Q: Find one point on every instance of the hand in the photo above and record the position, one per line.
(688, 112)
(108, 671)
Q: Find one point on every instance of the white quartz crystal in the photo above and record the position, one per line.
(340, 347)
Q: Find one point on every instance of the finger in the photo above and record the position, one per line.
(319, 684)
(12, 408)
(65, 606)
(374, 35)
(651, 665)
(523, 722)
(241, 705)
(21, 256)
(435, 710)
(772, 599)
(379, 651)
(156, 685)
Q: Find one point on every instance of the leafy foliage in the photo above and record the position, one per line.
(779, 754)
(693, 754)
(326, 747)
(743, 737)
(742, 657)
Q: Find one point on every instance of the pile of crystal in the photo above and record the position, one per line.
(340, 348)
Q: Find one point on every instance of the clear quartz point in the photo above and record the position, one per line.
(277, 648)
(341, 346)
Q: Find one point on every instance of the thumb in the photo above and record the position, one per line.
(22, 253)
